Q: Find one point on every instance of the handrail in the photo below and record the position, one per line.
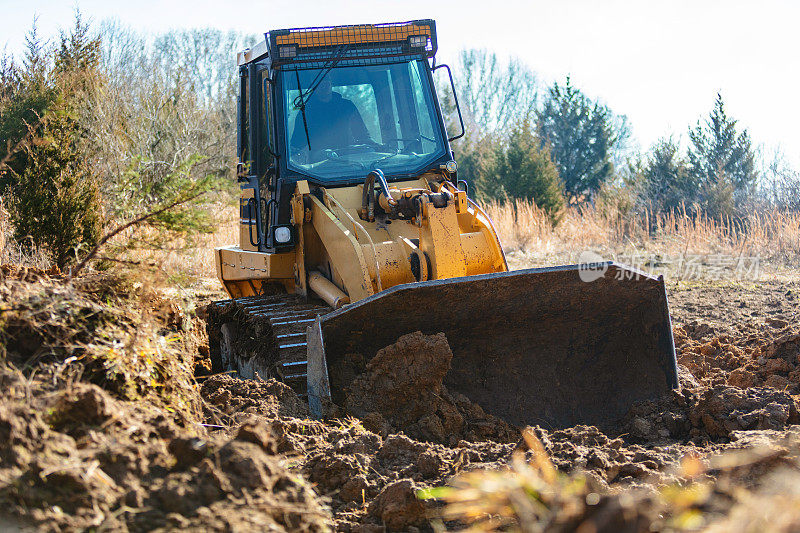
(252, 219)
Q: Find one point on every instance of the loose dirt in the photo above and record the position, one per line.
(106, 427)
(75, 458)
(401, 389)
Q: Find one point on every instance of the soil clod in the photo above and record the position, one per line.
(401, 389)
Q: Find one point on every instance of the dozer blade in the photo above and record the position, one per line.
(551, 346)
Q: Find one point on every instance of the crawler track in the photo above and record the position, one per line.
(263, 336)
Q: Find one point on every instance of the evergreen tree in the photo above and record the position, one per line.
(519, 169)
(522, 170)
(493, 95)
(55, 200)
(722, 162)
(78, 52)
(476, 163)
(26, 97)
(666, 181)
(580, 135)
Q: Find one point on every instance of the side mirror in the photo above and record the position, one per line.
(455, 99)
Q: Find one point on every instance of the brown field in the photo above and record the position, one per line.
(109, 420)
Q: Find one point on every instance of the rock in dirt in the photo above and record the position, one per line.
(188, 451)
(83, 404)
(398, 507)
(401, 389)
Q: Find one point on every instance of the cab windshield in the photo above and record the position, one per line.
(347, 121)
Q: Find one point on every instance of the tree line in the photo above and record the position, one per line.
(563, 149)
(105, 127)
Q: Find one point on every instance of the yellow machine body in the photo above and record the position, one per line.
(408, 251)
(362, 258)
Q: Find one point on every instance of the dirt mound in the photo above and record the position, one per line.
(357, 469)
(661, 420)
(132, 342)
(354, 467)
(268, 398)
(80, 459)
(401, 389)
(608, 460)
(398, 507)
(101, 423)
(712, 361)
(722, 410)
(48, 321)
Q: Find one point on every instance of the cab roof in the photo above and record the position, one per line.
(356, 42)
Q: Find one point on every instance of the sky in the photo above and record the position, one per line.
(660, 63)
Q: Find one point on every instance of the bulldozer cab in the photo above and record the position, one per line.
(329, 107)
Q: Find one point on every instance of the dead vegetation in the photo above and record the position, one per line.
(529, 237)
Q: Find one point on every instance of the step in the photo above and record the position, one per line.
(287, 335)
(265, 307)
(293, 345)
(292, 363)
(295, 314)
(306, 321)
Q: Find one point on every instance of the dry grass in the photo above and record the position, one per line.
(772, 237)
(530, 239)
(11, 252)
(194, 259)
(179, 258)
(755, 490)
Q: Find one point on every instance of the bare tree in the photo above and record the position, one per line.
(494, 94)
(168, 97)
(780, 182)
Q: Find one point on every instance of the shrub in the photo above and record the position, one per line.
(55, 200)
(524, 171)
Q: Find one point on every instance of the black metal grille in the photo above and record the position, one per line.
(352, 45)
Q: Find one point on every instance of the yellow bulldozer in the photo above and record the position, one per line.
(355, 229)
